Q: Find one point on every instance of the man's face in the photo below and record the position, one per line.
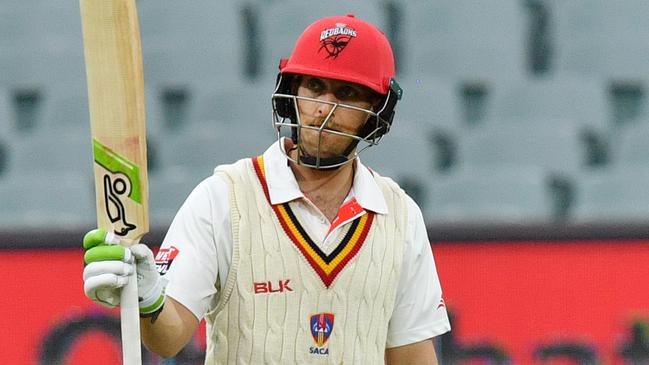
(329, 92)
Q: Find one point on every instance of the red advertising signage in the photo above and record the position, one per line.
(525, 295)
(516, 297)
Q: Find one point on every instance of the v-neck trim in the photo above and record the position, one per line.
(327, 267)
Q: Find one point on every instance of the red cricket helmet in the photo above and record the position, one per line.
(343, 48)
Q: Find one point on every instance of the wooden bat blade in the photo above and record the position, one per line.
(116, 95)
(115, 79)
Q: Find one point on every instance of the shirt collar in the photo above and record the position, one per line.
(283, 187)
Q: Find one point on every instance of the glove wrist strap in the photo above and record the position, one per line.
(154, 315)
(154, 300)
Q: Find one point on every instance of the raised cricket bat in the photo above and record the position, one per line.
(113, 55)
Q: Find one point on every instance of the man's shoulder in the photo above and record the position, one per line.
(386, 182)
(238, 166)
(390, 186)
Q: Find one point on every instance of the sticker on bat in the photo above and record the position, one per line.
(121, 185)
(116, 187)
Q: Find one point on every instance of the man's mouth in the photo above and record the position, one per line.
(325, 129)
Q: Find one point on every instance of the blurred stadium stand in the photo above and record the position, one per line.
(7, 119)
(185, 42)
(492, 195)
(172, 187)
(617, 195)
(41, 199)
(632, 150)
(65, 111)
(535, 104)
(49, 155)
(573, 98)
(605, 39)
(557, 148)
(405, 143)
(465, 39)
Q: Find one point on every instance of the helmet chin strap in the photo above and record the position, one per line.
(327, 163)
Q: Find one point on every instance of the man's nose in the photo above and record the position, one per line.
(326, 103)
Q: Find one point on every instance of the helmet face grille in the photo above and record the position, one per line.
(288, 122)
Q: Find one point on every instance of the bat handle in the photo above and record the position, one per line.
(130, 322)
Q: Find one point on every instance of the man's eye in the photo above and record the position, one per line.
(314, 84)
(346, 93)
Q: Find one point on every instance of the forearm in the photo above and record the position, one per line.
(419, 353)
(171, 331)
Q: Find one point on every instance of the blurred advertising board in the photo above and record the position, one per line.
(511, 302)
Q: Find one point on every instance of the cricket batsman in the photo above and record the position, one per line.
(302, 255)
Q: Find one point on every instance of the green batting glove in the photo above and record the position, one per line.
(108, 265)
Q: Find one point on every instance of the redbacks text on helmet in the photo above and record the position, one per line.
(342, 48)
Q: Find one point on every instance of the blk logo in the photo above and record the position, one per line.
(269, 287)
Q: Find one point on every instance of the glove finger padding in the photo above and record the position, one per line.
(104, 252)
(117, 268)
(143, 256)
(107, 267)
(104, 288)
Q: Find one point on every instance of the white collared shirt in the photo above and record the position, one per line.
(201, 233)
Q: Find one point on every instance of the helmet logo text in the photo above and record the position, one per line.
(334, 40)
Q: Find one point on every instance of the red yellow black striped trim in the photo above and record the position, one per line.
(326, 266)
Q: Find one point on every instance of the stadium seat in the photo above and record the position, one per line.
(632, 147)
(246, 103)
(41, 62)
(168, 191)
(65, 110)
(405, 143)
(191, 40)
(4, 156)
(13, 20)
(50, 153)
(559, 149)
(434, 108)
(618, 195)
(40, 18)
(7, 113)
(199, 153)
(564, 98)
(430, 102)
(212, 142)
(465, 39)
(492, 195)
(154, 110)
(47, 201)
(40, 43)
(602, 38)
